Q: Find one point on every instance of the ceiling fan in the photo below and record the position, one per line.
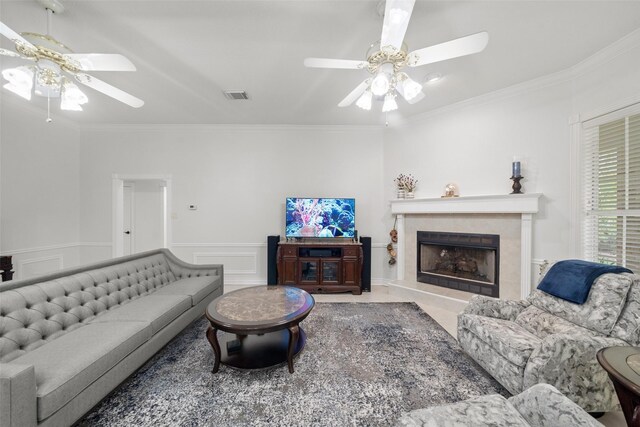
(54, 67)
(387, 58)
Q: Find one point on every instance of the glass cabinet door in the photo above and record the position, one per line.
(330, 271)
(309, 271)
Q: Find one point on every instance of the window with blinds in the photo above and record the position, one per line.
(611, 155)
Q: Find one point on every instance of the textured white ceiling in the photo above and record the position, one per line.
(187, 52)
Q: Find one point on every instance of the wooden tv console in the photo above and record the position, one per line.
(319, 267)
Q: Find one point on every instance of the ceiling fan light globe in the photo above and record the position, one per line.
(20, 76)
(46, 90)
(411, 89)
(18, 90)
(380, 84)
(69, 105)
(390, 103)
(72, 94)
(364, 101)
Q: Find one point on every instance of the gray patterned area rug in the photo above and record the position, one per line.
(363, 365)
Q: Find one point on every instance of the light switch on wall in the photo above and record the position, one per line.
(193, 207)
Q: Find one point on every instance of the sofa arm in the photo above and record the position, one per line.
(543, 405)
(492, 307)
(182, 269)
(568, 362)
(18, 404)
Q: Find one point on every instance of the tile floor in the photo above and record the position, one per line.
(446, 317)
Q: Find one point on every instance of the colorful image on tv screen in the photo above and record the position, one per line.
(320, 217)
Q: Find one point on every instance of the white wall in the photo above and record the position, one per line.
(39, 184)
(473, 143)
(239, 177)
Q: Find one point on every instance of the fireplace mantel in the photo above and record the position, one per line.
(504, 203)
(526, 205)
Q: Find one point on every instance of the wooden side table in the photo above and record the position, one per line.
(623, 366)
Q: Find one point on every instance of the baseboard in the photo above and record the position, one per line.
(430, 298)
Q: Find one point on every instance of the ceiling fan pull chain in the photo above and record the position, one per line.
(49, 119)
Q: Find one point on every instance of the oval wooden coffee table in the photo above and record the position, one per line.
(261, 326)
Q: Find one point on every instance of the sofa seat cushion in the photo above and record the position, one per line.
(195, 287)
(492, 410)
(600, 312)
(159, 310)
(70, 363)
(507, 338)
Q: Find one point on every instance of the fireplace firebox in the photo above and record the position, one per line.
(462, 261)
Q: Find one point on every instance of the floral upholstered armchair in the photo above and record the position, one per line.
(545, 339)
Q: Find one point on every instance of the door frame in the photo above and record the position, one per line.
(117, 212)
(132, 226)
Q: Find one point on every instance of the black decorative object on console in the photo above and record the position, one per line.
(272, 260)
(366, 263)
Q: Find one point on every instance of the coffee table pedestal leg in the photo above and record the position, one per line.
(294, 333)
(212, 336)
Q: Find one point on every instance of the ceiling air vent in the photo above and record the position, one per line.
(235, 95)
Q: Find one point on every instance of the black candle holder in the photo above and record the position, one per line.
(516, 184)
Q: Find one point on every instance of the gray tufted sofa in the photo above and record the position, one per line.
(67, 339)
(545, 339)
(539, 406)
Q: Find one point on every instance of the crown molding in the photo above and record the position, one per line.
(496, 95)
(608, 53)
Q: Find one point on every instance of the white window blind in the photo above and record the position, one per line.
(611, 155)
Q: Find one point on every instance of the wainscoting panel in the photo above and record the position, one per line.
(35, 261)
(244, 263)
(32, 267)
(235, 263)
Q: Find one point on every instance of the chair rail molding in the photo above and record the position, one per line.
(526, 205)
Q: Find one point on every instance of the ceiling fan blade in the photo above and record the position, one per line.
(396, 19)
(347, 64)
(11, 53)
(452, 49)
(102, 61)
(13, 36)
(109, 90)
(355, 94)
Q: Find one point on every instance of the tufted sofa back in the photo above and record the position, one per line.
(36, 313)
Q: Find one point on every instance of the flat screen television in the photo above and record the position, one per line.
(308, 217)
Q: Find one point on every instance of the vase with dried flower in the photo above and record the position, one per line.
(405, 184)
(410, 184)
(399, 181)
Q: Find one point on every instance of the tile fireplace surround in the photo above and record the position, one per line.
(510, 216)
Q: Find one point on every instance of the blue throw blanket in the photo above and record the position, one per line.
(571, 280)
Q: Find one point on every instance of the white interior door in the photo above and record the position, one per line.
(148, 221)
(141, 207)
(127, 219)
